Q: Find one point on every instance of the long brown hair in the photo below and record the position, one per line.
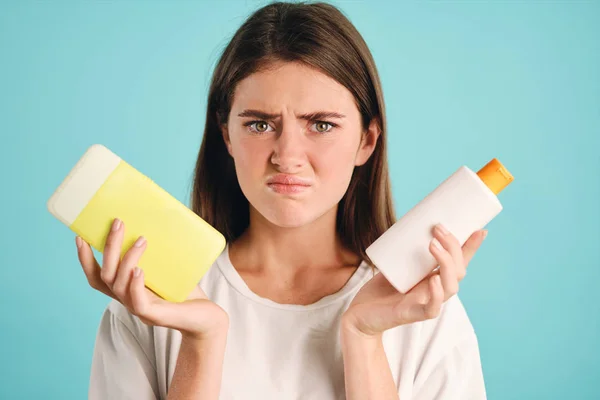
(320, 36)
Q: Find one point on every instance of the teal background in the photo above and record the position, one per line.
(464, 82)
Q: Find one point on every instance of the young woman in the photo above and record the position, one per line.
(292, 170)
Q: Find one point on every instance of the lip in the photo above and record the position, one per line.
(288, 184)
(290, 180)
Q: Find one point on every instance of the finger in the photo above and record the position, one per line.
(197, 293)
(447, 269)
(91, 269)
(433, 307)
(112, 253)
(131, 258)
(452, 245)
(472, 244)
(140, 301)
(149, 307)
(423, 305)
(153, 310)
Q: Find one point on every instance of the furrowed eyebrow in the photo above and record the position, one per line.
(257, 114)
(318, 115)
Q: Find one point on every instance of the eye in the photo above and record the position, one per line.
(261, 126)
(258, 126)
(323, 126)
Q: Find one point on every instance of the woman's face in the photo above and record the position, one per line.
(295, 135)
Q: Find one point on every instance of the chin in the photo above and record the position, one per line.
(293, 211)
(290, 213)
(287, 216)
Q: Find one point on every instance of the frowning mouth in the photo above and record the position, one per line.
(287, 184)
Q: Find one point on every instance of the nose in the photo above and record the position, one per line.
(289, 153)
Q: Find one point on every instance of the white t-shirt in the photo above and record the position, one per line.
(284, 351)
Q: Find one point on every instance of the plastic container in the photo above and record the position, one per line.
(464, 203)
(101, 186)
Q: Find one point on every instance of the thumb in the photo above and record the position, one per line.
(197, 293)
(472, 244)
(137, 291)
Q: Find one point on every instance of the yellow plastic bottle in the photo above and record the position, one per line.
(181, 246)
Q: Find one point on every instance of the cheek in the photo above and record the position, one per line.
(334, 167)
(250, 156)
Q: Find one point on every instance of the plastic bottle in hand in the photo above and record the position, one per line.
(463, 203)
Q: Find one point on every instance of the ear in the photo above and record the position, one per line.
(225, 133)
(368, 142)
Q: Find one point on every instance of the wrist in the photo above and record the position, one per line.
(352, 334)
(211, 337)
(359, 347)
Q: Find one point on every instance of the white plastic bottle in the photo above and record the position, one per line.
(463, 203)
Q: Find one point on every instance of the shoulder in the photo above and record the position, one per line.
(220, 279)
(437, 358)
(120, 329)
(451, 329)
(118, 319)
(428, 342)
(453, 322)
(450, 361)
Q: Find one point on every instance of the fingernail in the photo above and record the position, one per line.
(78, 242)
(137, 272)
(485, 232)
(437, 244)
(116, 224)
(139, 242)
(441, 229)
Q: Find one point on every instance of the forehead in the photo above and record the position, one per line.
(293, 86)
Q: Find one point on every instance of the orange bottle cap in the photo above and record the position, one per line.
(495, 176)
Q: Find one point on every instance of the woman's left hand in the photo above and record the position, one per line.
(378, 306)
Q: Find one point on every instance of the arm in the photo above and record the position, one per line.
(123, 363)
(367, 372)
(378, 306)
(199, 368)
(457, 375)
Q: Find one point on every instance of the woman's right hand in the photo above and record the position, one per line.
(196, 318)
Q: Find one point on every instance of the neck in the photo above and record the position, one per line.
(265, 247)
